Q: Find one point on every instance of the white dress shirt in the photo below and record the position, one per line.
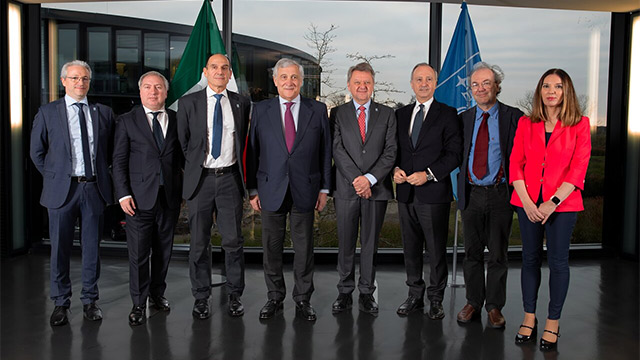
(227, 154)
(75, 136)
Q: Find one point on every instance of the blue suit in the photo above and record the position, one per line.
(288, 183)
(66, 199)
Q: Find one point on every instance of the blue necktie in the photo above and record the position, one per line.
(216, 136)
(86, 154)
(417, 125)
(157, 134)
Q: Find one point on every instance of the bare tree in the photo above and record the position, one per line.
(386, 87)
(320, 41)
(525, 103)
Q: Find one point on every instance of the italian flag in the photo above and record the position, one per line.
(204, 39)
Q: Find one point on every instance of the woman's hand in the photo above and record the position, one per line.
(532, 211)
(546, 209)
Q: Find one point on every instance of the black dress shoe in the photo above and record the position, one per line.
(548, 345)
(342, 303)
(138, 315)
(523, 339)
(410, 305)
(367, 304)
(92, 312)
(59, 316)
(160, 303)
(235, 306)
(270, 309)
(201, 309)
(305, 310)
(436, 312)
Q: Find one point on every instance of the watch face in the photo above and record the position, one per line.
(555, 200)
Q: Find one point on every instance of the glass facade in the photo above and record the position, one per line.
(324, 37)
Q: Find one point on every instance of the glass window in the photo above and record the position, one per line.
(576, 41)
(156, 52)
(128, 62)
(176, 48)
(99, 58)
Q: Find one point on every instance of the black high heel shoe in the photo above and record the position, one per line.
(523, 339)
(548, 345)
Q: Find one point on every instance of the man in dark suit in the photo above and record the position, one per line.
(71, 145)
(364, 152)
(429, 148)
(288, 172)
(484, 194)
(212, 128)
(147, 173)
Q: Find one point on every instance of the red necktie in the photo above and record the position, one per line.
(361, 122)
(481, 151)
(289, 126)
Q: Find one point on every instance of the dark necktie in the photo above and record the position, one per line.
(289, 126)
(417, 125)
(157, 134)
(157, 130)
(481, 151)
(216, 136)
(86, 153)
(362, 123)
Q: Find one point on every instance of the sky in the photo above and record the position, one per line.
(524, 42)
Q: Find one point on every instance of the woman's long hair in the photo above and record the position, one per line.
(570, 113)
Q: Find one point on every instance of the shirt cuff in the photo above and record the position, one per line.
(430, 173)
(253, 192)
(324, 191)
(372, 179)
(124, 198)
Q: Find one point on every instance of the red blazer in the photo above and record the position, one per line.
(564, 159)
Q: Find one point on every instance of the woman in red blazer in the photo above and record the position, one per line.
(549, 161)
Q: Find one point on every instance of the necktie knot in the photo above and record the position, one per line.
(218, 96)
(362, 108)
(485, 116)
(79, 105)
(155, 114)
(289, 105)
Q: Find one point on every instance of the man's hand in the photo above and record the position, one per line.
(128, 206)
(417, 178)
(365, 194)
(399, 176)
(361, 183)
(254, 200)
(322, 201)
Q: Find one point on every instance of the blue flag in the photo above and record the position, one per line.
(453, 87)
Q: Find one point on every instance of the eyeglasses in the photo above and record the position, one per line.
(485, 84)
(75, 79)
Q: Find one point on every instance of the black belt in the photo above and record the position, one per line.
(492, 186)
(83, 179)
(220, 171)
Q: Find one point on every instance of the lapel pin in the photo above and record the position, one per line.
(238, 105)
(376, 109)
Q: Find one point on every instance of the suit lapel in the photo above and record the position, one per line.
(275, 120)
(304, 116)
(432, 115)
(504, 125)
(64, 123)
(237, 118)
(143, 127)
(171, 129)
(95, 121)
(201, 118)
(374, 114)
(350, 121)
(469, 122)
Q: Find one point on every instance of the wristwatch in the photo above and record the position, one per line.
(556, 200)
(430, 176)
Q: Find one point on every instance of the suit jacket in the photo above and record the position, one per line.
(352, 158)
(272, 170)
(507, 123)
(439, 148)
(564, 159)
(137, 161)
(51, 150)
(192, 132)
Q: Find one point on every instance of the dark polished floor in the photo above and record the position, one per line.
(600, 320)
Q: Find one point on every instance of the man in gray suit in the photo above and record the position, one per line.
(212, 129)
(364, 152)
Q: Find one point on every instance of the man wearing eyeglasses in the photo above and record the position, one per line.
(484, 193)
(71, 146)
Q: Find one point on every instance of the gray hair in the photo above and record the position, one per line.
(423, 64)
(65, 67)
(286, 62)
(166, 82)
(498, 74)
(363, 66)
